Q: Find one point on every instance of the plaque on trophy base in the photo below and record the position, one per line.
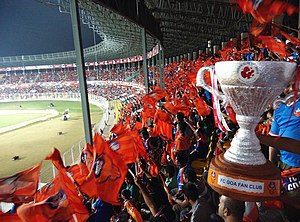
(244, 182)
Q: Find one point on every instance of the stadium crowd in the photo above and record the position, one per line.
(31, 85)
(70, 74)
(153, 166)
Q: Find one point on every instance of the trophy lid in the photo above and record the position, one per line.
(255, 73)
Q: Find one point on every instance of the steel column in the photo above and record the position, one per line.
(145, 60)
(81, 71)
(161, 66)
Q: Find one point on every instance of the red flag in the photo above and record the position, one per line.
(109, 169)
(256, 28)
(20, 187)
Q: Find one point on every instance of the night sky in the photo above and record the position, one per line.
(29, 27)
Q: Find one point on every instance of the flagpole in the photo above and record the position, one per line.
(74, 217)
(129, 170)
(136, 167)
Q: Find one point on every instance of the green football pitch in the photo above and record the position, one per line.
(33, 142)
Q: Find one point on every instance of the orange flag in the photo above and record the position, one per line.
(163, 116)
(139, 146)
(133, 212)
(274, 46)
(201, 106)
(54, 208)
(68, 184)
(20, 187)
(163, 129)
(124, 145)
(264, 11)
(171, 108)
(154, 96)
(109, 169)
(118, 129)
(86, 184)
(7, 217)
(48, 190)
(148, 110)
(138, 125)
(153, 169)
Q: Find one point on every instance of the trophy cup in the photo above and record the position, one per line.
(250, 86)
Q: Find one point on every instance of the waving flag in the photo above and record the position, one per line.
(293, 40)
(133, 212)
(163, 116)
(54, 208)
(154, 96)
(20, 187)
(139, 146)
(109, 169)
(201, 106)
(8, 217)
(68, 185)
(118, 129)
(274, 46)
(171, 108)
(124, 145)
(263, 11)
(163, 129)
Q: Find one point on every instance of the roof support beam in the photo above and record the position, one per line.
(134, 12)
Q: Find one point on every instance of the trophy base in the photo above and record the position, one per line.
(244, 182)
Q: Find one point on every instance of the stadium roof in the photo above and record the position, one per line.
(181, 26)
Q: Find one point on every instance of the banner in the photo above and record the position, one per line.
(243, 185)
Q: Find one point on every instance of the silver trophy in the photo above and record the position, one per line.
(250, 87)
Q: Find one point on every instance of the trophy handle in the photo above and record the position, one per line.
(284, 100)
(200, 82)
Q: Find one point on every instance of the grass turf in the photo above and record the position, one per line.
(12, 119)
(32, 143)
